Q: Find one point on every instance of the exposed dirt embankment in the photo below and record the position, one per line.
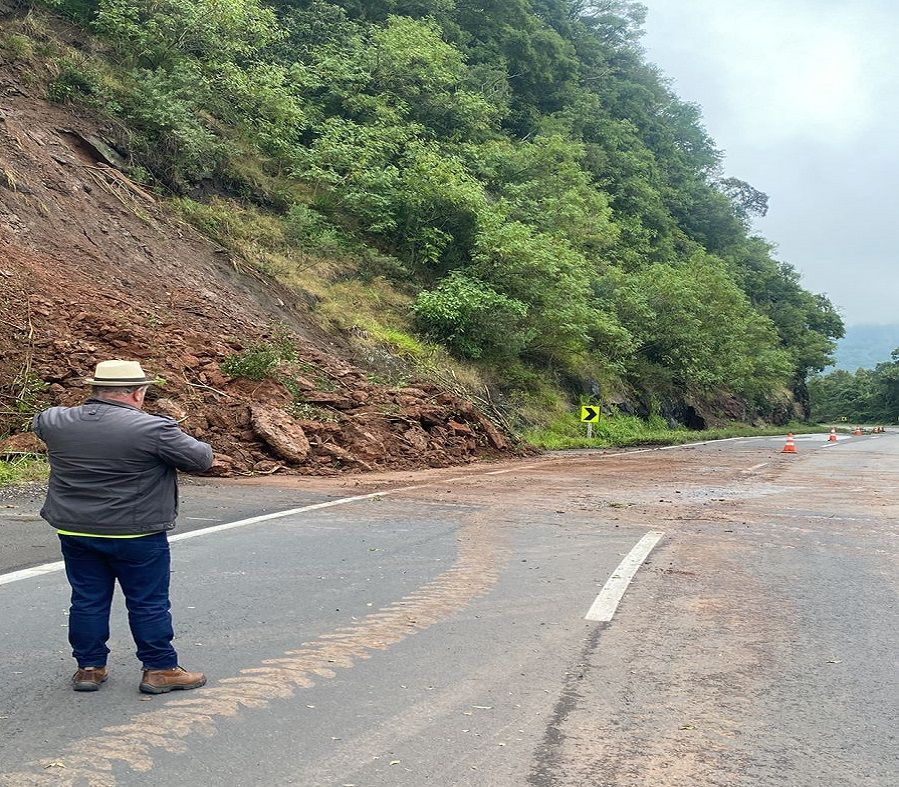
(92, 267)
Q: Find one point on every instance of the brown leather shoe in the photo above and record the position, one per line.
(89, 678)
(159, 681)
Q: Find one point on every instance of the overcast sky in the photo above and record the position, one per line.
(803, 97)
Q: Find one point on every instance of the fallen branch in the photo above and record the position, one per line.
(207, 387)
(21, 454)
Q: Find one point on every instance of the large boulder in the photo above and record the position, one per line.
(280, 432)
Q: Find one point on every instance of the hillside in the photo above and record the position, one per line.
(865, 346)
(354, 219)
(92, 267)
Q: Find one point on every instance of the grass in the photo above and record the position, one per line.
(619, 431)
(17, 47)
(23, 469)
(259, 361)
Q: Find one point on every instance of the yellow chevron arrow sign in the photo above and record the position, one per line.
(590, 414)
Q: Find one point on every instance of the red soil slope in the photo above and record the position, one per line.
(92, 267)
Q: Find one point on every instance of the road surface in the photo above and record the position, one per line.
(432, 630)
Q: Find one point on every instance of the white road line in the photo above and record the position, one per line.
(280, 514)
(756, 467)
(49, 568)
(610, 596)
(27, 573)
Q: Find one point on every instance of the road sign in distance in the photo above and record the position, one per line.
(590, 413)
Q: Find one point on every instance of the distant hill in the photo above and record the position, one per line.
(865, 346)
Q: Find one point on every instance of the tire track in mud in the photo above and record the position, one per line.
(93, 761)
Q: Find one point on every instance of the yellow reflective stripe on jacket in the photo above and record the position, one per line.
(97, 535)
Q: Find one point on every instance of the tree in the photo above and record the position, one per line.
(747, 200)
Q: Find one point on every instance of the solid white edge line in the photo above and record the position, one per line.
(49, 568)
(290, 512)
(27, 573)
(606, 603)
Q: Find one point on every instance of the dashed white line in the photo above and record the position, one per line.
(610, 596)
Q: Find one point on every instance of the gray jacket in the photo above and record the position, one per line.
(113, 467)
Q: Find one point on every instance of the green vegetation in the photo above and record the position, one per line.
(618, 431)
(867, 396)
(23, 469)
(509, 181)
(260, 361)
(30, 396)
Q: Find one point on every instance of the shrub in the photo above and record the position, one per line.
(162, 109)
(471, 318)
(17, 46)
(306, 227)
(259, 361)
(75, 81)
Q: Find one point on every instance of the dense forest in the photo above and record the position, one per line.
(863, 396)
(511, 181)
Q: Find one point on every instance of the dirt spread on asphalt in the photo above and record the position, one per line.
(93, 267)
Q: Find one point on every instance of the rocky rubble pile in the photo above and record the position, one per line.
(315, 414)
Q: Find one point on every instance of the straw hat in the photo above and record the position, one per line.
(119, 374)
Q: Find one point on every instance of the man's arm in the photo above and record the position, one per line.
(181, 450)
(36, 425)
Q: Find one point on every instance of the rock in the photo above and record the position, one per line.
(415, 393)
(342, 455)
(430, 416)
(362, 443)
(222, 465)
(329, 399)
(495, 437)
(22, 443)
(168, 407)
(459, 428)
(280, 432)
(417, 438)
(303, 384)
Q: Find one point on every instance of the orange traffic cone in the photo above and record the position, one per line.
(790, 447)
(833, 436)
(857, 431)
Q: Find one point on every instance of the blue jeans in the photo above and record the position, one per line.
(142, 567)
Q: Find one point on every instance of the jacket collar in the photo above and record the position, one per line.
(97, 400)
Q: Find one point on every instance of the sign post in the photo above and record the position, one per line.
(590, 416)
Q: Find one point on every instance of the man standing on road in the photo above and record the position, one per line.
(112, 497)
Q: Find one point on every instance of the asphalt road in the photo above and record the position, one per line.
(437, 635)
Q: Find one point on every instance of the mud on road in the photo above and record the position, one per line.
(755, 646)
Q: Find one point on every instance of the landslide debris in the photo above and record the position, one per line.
(93, 267)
